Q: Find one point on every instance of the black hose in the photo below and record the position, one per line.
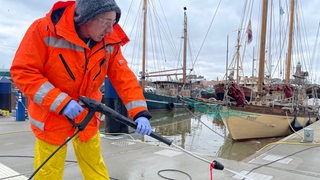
(16, 156)
(173, 170)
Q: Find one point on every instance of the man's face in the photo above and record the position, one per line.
(101, 25)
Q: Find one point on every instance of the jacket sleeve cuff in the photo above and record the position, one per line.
(143, 114)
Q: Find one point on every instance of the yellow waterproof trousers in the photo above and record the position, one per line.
(88, 156)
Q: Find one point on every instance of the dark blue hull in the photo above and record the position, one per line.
(161, 102)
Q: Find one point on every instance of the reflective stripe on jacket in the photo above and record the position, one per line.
(53, 65)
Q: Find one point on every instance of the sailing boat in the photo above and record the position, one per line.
(268, 116)
(166, 95)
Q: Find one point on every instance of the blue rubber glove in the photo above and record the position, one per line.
(72, 109)
(143, 127)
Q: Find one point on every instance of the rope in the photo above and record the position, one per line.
(205, 37)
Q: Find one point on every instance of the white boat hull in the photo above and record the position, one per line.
(260, 125)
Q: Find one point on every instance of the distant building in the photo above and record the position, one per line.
(5, 73)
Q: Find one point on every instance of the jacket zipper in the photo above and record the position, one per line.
(67, 67)
(103, 47)
(87, 62)
(101, 63)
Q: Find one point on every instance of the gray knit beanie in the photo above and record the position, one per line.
(88, 9)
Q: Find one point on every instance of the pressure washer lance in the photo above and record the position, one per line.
(95, 106)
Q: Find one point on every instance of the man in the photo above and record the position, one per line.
(65, 55)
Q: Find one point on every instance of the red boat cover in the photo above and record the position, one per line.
(237, 93)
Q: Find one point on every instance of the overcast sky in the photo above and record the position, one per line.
(209, 61)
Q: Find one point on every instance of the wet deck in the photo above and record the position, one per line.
(130, 159)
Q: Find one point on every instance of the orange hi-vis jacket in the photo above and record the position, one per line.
(53, 65)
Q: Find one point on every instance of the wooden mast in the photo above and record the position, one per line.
(238, 58)
(184, 70)
(143, 74)
(290, 42)
(262, 45)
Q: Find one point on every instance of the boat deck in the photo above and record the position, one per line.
(131, 159)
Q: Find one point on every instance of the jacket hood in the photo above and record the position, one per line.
(61, 21)
(57, 10)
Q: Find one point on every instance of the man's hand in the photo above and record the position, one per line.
(72, 109)
(143, 127)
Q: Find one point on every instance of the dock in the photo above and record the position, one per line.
(128, 158)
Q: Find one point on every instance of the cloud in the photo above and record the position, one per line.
(208, 55)
(15, 18)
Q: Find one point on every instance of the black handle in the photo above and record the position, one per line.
(81, 126)
(99, 107)
(86, 120)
